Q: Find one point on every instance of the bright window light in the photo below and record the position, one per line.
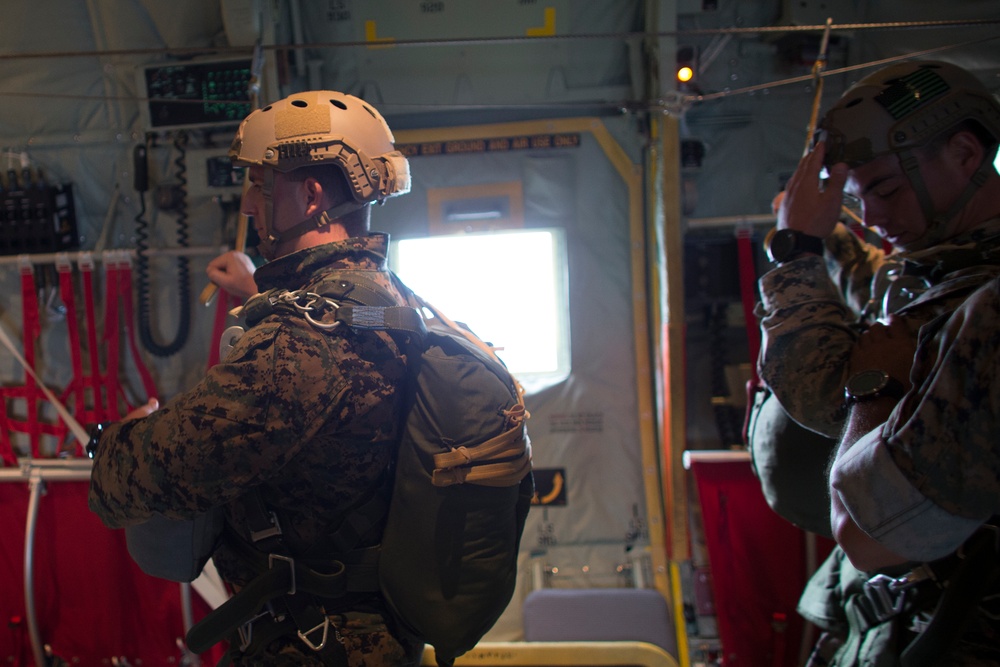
(996, 161)
(509, 287)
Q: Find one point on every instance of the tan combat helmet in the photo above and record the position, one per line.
(322, 127)
(903, 107)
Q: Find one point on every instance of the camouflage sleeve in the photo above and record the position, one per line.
(247, 416)
(809, 309)
(945, 437)
(888, 507)
(852, 264)
(934, 470)
(806, 340)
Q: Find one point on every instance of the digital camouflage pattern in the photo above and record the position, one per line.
(942, 436)
(308, 416)
(809, 329)
(812, 312)
(364, 636)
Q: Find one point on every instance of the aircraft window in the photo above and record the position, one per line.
(508, 286)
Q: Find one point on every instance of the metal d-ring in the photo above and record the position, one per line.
(308, 303)
(326, 303)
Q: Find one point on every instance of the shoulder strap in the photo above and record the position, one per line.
(378, 309)
(378, 318)
(360, 303)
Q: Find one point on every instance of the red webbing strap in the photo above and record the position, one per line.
(7, 454)
(112, 341)
(76, 385)
(94, 380)
(30, 327)
(30, 391)
(32, 330)
(223, 305)
(748, 295)
(125, 294)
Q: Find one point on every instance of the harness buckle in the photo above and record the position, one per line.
(291, 566)
(885, 600)
(325, 626)
(887, 596)
(273, 530)
(245, 631)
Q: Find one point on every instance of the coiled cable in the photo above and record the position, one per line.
(142, 262)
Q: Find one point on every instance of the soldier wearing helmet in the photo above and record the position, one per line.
(336, 139)
(895, 355)
(292, 435)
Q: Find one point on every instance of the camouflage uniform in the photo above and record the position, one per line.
(929, 479)
(309, 417)
(811, 310)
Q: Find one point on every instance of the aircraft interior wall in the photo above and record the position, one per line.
(584, 428)
(553, 109)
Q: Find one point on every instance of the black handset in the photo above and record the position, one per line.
(140, 168)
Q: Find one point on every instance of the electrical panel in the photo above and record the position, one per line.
(35, 216)
(210, 172)
(195, 94)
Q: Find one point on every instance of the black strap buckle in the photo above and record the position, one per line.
(245, 631)
(291, 566)
(273, 529)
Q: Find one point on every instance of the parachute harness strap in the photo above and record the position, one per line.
(320, 311)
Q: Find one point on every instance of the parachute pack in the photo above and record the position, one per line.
(461, 489)
(790, 461)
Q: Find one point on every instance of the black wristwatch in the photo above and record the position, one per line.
(783, 245)
(95, 438)
(872, 384)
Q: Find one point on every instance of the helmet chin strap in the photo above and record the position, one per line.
(268, 246)
(937, 222)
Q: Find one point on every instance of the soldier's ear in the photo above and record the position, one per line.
(312, 191)
(965, 152)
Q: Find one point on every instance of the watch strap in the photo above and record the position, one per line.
(96, 431)
(891, 388)
(784, 245)
(809, 243)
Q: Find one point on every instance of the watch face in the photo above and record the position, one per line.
(781, 245)
(866, 383)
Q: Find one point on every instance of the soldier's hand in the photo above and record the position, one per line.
(148, 408)
(809, 205)
(233, 272)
